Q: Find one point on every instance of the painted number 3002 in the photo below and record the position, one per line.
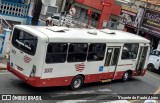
(48, 70)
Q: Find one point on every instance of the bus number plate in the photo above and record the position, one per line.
(48, 70)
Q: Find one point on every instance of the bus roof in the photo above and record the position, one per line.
(63, 34)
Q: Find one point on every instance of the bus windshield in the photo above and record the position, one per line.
(24, 41)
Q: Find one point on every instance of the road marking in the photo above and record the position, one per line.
(157, 91)
(153, 76)
(5, 73)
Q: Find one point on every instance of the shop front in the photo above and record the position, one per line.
(151, 27)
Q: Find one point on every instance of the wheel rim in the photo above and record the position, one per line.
(125, 76)
(150, 68)
(77, 83)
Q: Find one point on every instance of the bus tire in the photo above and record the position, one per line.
(150, 67)
(47, 22)
(77, 82)
(125, 77)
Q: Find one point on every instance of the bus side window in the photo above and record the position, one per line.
(96, 51)
(77, 52)
(56, 52)
(130, 51)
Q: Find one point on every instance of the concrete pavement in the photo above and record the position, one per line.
(3, 63)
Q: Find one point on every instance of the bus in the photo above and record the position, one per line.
(59, 56)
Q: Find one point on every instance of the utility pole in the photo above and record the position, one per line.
(36, 11)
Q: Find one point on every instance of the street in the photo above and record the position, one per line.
(137, 85)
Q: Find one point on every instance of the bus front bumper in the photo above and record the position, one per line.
(33, 81)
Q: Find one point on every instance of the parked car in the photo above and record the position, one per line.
(53, 20)
(154, 61)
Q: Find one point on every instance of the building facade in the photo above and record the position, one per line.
(142, 18)
(97, 14)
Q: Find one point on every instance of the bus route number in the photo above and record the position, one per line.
(48, 70)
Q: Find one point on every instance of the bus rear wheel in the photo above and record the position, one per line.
(77, 82)
(125, 77)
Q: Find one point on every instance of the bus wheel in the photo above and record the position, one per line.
(47, 23)
(125, 77)
(150, 67)
(77, 82)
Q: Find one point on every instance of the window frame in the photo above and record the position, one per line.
(96, 52)
(131, 51)
(77, 53)
(57, 53)
(18, 47)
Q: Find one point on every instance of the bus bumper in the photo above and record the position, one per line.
(33, 81)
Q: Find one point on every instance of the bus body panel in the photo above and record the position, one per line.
(24, 62)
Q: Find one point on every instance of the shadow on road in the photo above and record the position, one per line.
(21, 85)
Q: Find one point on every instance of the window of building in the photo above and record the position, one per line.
(96, 51)
(130, 51)
(77, 52)
(56, 52)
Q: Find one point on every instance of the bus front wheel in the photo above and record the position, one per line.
(77, 82)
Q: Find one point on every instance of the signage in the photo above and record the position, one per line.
(106, 4)
(89, 12)
(131, 16)
(72, 11)
(151, 21)
(124, 1)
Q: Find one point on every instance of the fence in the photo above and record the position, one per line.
(14, 9)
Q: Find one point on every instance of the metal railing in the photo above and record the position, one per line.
(14, 9)
(4, 23)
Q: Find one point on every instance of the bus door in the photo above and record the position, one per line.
(111, 61)
(141, 59)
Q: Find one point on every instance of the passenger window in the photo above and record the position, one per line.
(77, 52)
(96, 51)
(56, 52)
(130, 51)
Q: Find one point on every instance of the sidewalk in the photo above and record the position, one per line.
(3, 63)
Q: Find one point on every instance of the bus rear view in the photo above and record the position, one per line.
(23, 54)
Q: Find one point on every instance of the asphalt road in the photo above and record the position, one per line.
(150, 83)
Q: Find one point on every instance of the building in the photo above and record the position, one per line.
(143, 18)
(97, 14)
(14, 10)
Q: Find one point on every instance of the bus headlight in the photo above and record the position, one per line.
(33, 72)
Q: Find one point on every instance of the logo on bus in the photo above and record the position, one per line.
(80, 67)
(27, 59)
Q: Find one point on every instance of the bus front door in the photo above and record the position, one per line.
(141, 59)
(111, 61)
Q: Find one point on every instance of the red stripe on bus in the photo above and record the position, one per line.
(128, 64)
(121, 65)
(65, 81)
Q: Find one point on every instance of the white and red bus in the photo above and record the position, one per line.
(59, 56)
